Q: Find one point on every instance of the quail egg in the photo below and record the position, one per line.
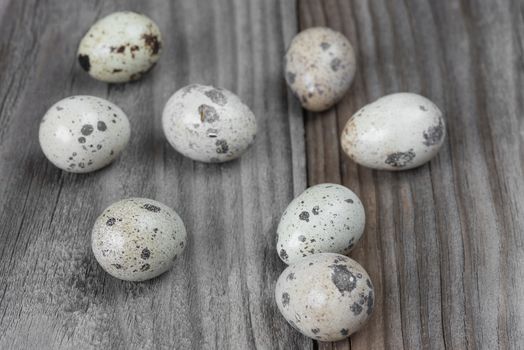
(319, 67)
(120, 47)
(396, 132)
(80, 134)
(325, 296)
(137, 239)
(324, 218)
(208, 124)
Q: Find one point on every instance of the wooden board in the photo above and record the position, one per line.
(444, 243)
(53, 294)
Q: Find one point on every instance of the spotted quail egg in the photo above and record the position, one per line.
(120, 47)
(208, 124)
(324, 218)
(136, 239)
(396, 132)
(319, 67)
(80, 134)
(325, 296)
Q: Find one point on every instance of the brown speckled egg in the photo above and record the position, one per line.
(208, 124)
(325, 296)
(396, 132)
(81, 134)
(325, 218)
(120, 47)
(137, 239)
(319, 67)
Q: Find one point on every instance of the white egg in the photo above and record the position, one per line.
(320, 65)
(396, 132)
(325, 296)
(80, 134)
(208, 124)
(137, 239)
(120, 47)
(324, 218)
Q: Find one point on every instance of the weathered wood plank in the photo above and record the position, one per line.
(444, 243)
(53, 295)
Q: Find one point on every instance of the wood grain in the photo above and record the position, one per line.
(53, 294)
(444, 243)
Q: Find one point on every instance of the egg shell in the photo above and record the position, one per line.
(80, 134)
(324, 218)
(325, 296)
(320, 65)
(120, 47)
(137, 239)
(208, 124)
(396, 132)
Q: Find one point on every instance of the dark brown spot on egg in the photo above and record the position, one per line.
(400, 159)
(283, 254)
(304, 216)
(433, 135)
(324, 46)
(356, 309)
(87, 129)
(335, 64)
(285, 299)
(216, 96)
(152, 43)
(84, 62)
(370, 303)
(208, 114)
(101, 126)
(151, 207)
(146, 253)
(222, 146)
(342, 278)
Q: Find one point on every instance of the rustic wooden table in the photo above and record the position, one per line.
(444, 243)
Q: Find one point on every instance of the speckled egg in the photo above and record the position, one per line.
(396, 132)
(120, 47)
(137, 239)
(208, 124)
(325, 296)
(80, 134)
(324, 218)
(319, 67)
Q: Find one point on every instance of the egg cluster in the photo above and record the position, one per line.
(396, 132)
(322, 293)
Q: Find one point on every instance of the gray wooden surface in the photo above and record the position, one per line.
(444, 244)
(219, 295)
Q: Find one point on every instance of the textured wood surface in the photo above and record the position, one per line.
(53, 294)
(444, 243)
